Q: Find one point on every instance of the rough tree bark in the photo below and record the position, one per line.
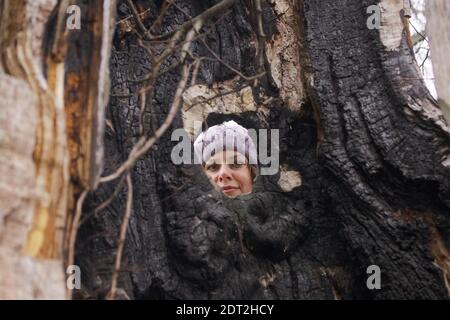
(363, 148)
(363, 174)
(438, 28)
(51, 115)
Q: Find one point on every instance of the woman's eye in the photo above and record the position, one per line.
(236, 165)
(212, 167)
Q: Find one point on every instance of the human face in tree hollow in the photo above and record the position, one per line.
(230, 173)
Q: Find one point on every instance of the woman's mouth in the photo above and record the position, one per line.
(229, 190)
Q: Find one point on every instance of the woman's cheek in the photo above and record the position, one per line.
(246, 182)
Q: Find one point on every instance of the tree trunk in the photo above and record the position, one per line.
(50, 124)
(363, 149)
(438, 28)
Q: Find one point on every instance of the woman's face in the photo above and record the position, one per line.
(230, 173)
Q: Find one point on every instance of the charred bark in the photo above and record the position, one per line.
(361, 130)
(383, 155)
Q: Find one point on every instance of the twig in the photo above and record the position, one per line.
(143, 145)
(424, 38)
(173, 65)
(227, 65)
(192, 27)
(104, 204)
(219, 8)
(73, 234)
(123, 233)
(166, 53)
(147, 33)
(143, 13)
(182, 11)
(423, 62)
(157, 23)
(169, 68)
(224, 93)
(142, 97)
(176, 191)
(260, 34)
(197, 63)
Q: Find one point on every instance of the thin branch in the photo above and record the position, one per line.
(192, 27)
(105, 203)
(229, 66)
(166, 41)
(417, 31)
(147, 33)
(173, 65)
(157, 23)
(175, 192)
(73, 234)
(142, 108)
(417, 38)
(143, 145)
(219, 95)
(182, 11)
(280, 15)
(260, 34)
(423, 62)
(166, 53)
(414, 78)
(219, 8)
(143, 13)
(419, 48)
(123, 233)
(197, 64)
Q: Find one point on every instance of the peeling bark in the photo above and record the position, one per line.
(37, 219)
(87, 89)
(34, 146)
(364, 149)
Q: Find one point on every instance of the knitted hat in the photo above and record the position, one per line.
(226, 136)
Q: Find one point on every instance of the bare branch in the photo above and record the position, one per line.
(73, 234)
(166, 53)
(219, 8)
(228, 66)
(197, 64)
(143, 13)
(425, 59)
(121, 242)
(221, 94)
(143, 145)
(147, 33)
(192, 27)
(260, 34)
(157, 23)
(104, 204)
(419, 33)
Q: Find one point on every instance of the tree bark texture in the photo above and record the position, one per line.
(363, 174)
(50, 124)
(363, 179)
(438, 29)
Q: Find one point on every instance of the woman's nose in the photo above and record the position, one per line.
(224, 173)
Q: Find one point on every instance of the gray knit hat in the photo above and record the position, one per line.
(226, 136)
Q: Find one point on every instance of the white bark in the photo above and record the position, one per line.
(438, 30)
(33, 163)
(21, 276)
